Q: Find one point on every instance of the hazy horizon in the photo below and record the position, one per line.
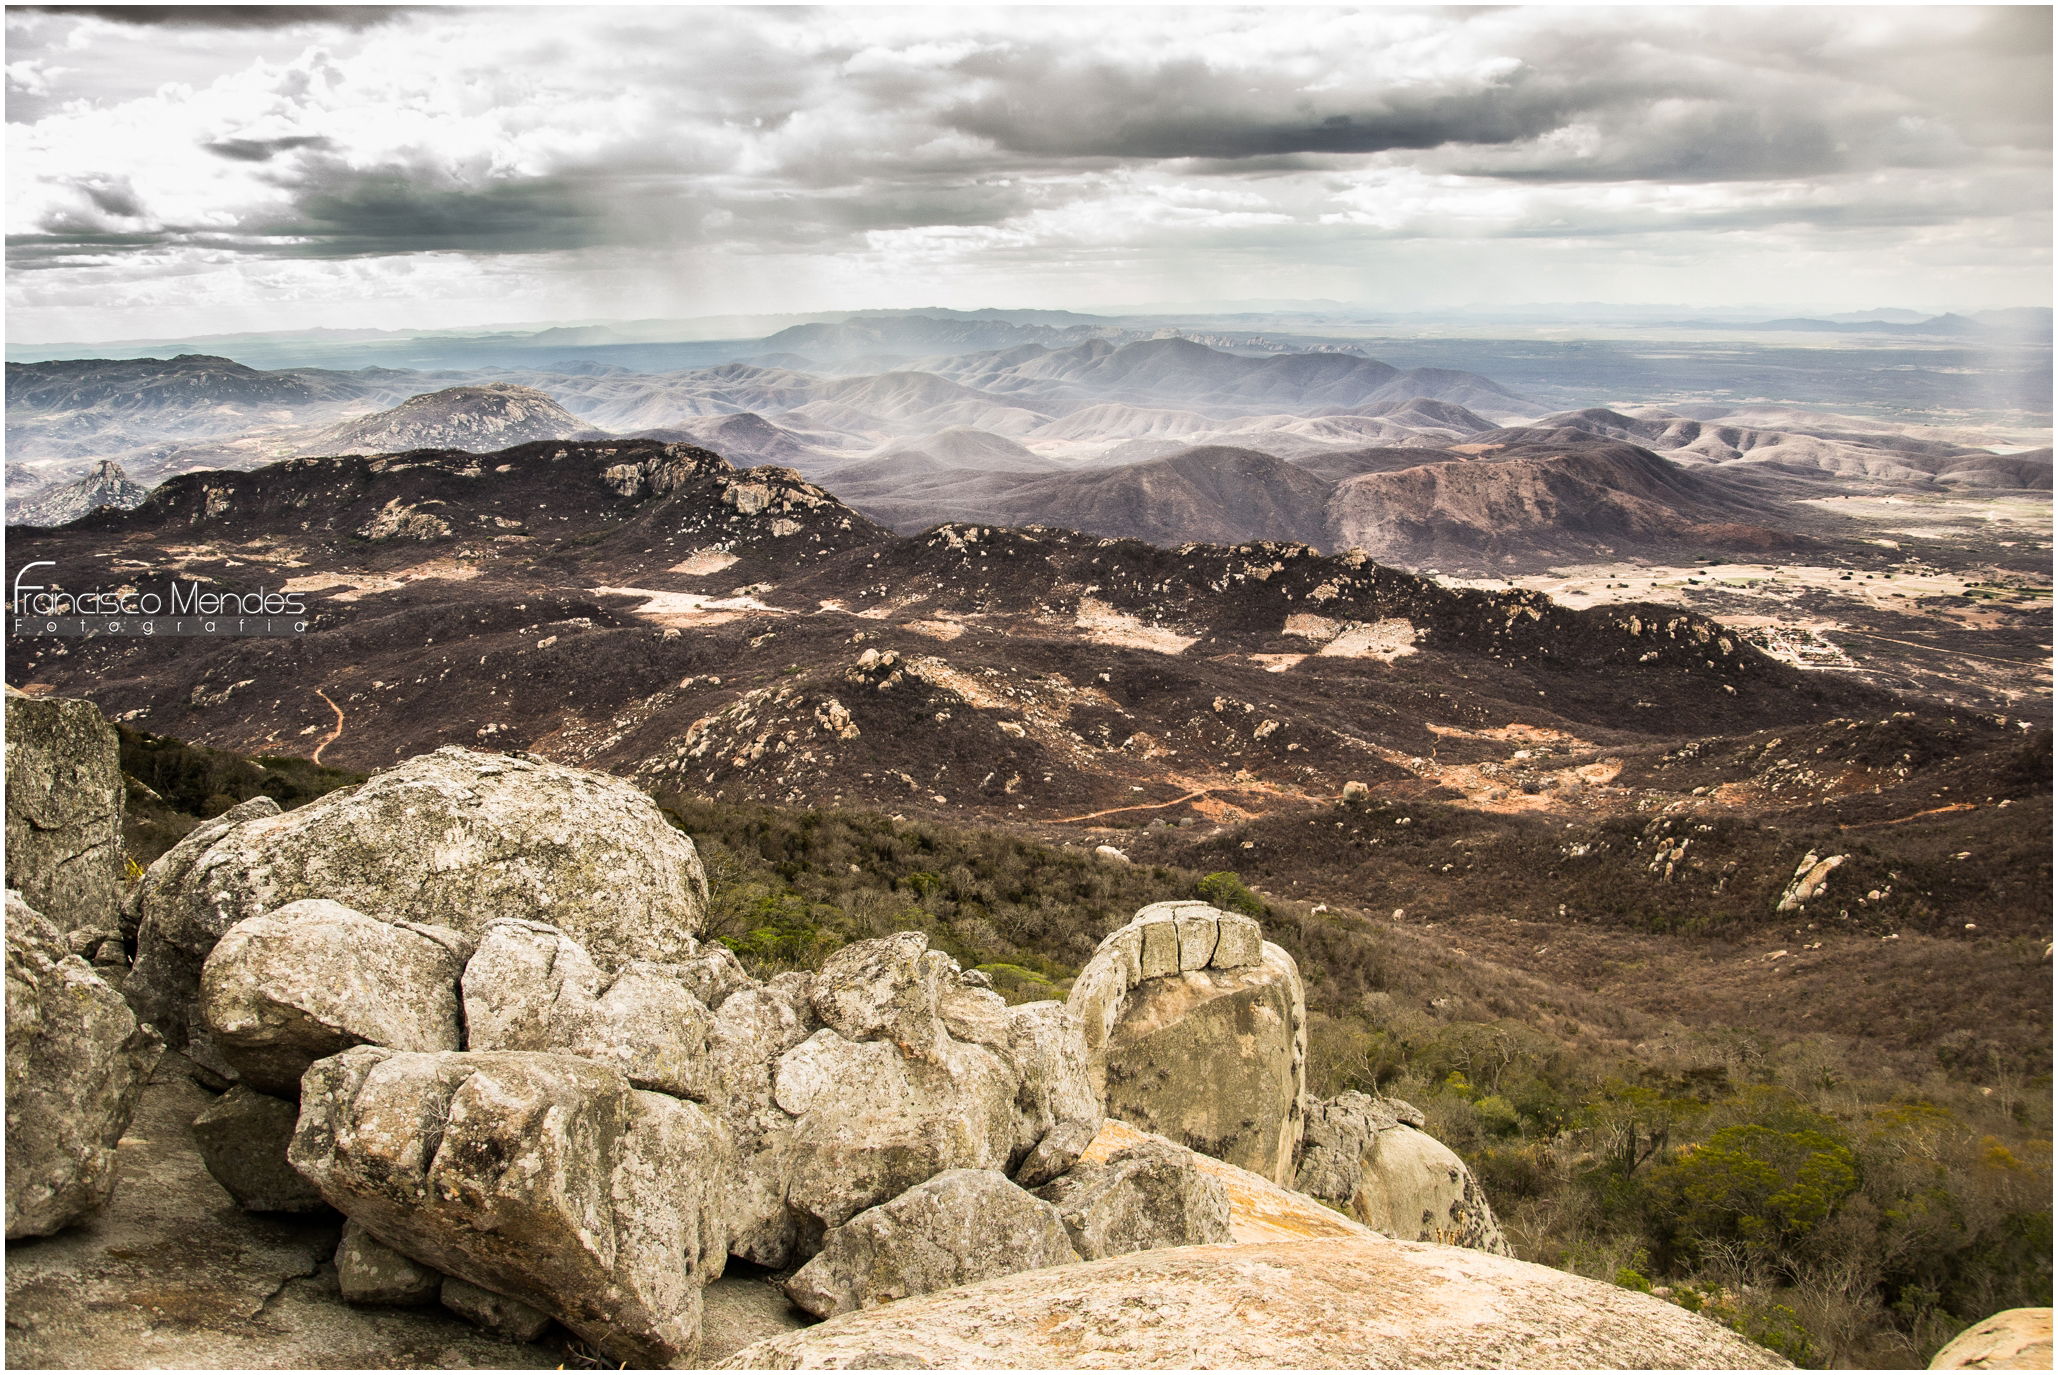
(192, 171)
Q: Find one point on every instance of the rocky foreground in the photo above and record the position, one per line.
(451, 1040)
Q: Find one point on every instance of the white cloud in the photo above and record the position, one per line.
(451, 160)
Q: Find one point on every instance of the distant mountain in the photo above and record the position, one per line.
(61, 503)
(1182, 374)
(1206, 495)
(480, 419)
(1523, 503)
(748, 439)
(911, 336)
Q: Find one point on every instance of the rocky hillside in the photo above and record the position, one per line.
(1516, 503)
(651, 609)
(478, 418)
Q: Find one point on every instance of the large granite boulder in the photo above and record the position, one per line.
(957, 1228)
(1196, 1028)
(1309, 1305)
(282, 990)
(453, 838)
(531, 987)
(1368, 1157)
(1259, 1210)
(1143, 1196)
(888, 1067)
(545, 1179)
(64, 813)
(76, 1062)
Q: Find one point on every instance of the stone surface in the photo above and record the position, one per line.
(295, 985)
(172, 1274)
(870, 1121)
(1196, 1028)
(545, 1178)
(1057, 1110)
(886, 989)
(76, 1061)
(1359, 1154)
(1259, 1210)
(165, 982)
(1143, 1196)
(370, 1271)
(495, 1312)
(242, 1137)
(1206, 1057)
(2013, 1339)
(64, 812)
(531, 987)
(1337, 1303)
(957, 1228)
(452, 838)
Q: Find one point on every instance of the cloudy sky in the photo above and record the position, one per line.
(177, 171)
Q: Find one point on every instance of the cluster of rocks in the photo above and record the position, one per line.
(467, 1006)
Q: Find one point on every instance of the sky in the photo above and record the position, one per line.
(179, 171)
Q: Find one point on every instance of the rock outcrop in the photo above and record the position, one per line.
(64, 812)
(957, 1228)
(76, 1061)
(298, 984)
(546, 1179)
(1141, 1197)
(2013, 1339)
(1339, 1303)
(1259, 1210)
(1196, 1029)
(1368, 1157)
(453, 839)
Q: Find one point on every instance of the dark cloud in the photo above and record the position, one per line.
(263, 149)
(229, 16)
(350, 213)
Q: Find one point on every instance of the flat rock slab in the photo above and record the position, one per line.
(173, 1275)
(1309, 1305)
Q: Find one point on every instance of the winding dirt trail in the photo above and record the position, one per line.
(1139, 807)
(332, 736)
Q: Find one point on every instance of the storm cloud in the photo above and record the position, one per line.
(736, 157)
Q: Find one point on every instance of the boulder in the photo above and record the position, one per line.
(1259, 1210)
(956, 1228)
(64, 812)
(165, 981)
(531, 987)
(243, 1137)
(1143, 1196)
(1339, 1303)
(76, 1062)
(453, 838)
(369, 1271)
(284, 989)
(543, 1178)
(887, 989)
(1057, 1110)
(2013, 1339)
(870, 1121)
(1361, 1155)
(1196, 1029)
